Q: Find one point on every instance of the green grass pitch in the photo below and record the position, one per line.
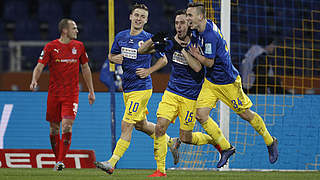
(95, 174)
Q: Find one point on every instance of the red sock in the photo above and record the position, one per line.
(55, 141)
(218, 148)
(64, 146)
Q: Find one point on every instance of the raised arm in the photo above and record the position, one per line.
(86, 73)
(147, 47)
(36, 75)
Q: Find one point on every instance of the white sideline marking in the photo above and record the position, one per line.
(7, 109)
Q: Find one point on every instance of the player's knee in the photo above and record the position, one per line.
(160, 130)
(138, 126)
(186, 139)
(200, 117)
(67, 128)
(247, 115)
(54, 128)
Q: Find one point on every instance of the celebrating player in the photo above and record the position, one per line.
(179, 99)
(137, 84)
(222, 79)
(63, 56)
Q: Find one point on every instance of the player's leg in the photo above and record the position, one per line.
(168, 109)
(121, 147)
(258, 124)
(69, 108)
(238, 101)
(198, 139)
(53, 116)
(55, 137)
(65, 138)
(160, 147)
(187, 110)
(135, 104)
(207, 100)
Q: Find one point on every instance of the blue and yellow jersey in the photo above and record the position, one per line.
(128, 45)
(214, 46)
(184, 81)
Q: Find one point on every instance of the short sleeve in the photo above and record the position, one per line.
(116, 49)
(210, 46)
(45, 55)
(84, 56)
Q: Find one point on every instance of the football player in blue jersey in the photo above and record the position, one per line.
(222, 80)
(137, 83)
(179, 99)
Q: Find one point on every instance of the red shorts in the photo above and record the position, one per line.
(59, 108)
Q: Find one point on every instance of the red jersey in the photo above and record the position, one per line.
(63, 61)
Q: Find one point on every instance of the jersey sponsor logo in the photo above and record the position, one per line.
(44, 158)
(179, 58)
(74, 50)
(41, 55)
(66, 60)
(129, 52)
(208, 49)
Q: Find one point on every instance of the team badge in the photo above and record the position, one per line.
(140, 43)
(74, 50)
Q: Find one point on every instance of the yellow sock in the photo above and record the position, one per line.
(160, 152)
(199, 138)
(258, 124)
(152, 136)
(169, 139)
(121, 147)
(215, 133)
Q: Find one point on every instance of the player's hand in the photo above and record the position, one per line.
(159, 37)
(142, 72)
(117, 58)
(91, 98)
(194, 50)
(33, 86)
(160, 46)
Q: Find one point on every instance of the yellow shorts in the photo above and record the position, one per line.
(231, 94)
(173, 106)
(136, 105)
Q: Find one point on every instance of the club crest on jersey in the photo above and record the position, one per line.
(131, 41)
(140, 43)
(74, 50)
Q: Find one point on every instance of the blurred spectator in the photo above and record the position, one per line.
(111, 79)
(256, 70)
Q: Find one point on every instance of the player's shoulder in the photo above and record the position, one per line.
(211, 30)
(53, 43)
(77, 42)
(122, 33)
(146, 34)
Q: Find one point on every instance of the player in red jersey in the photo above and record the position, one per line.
(63, 57)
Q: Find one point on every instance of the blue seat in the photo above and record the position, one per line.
(30, 57)
(49, 10)
(83, 10)
(94, 30)
(15, 10)
(27, 29)
(3, 35)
